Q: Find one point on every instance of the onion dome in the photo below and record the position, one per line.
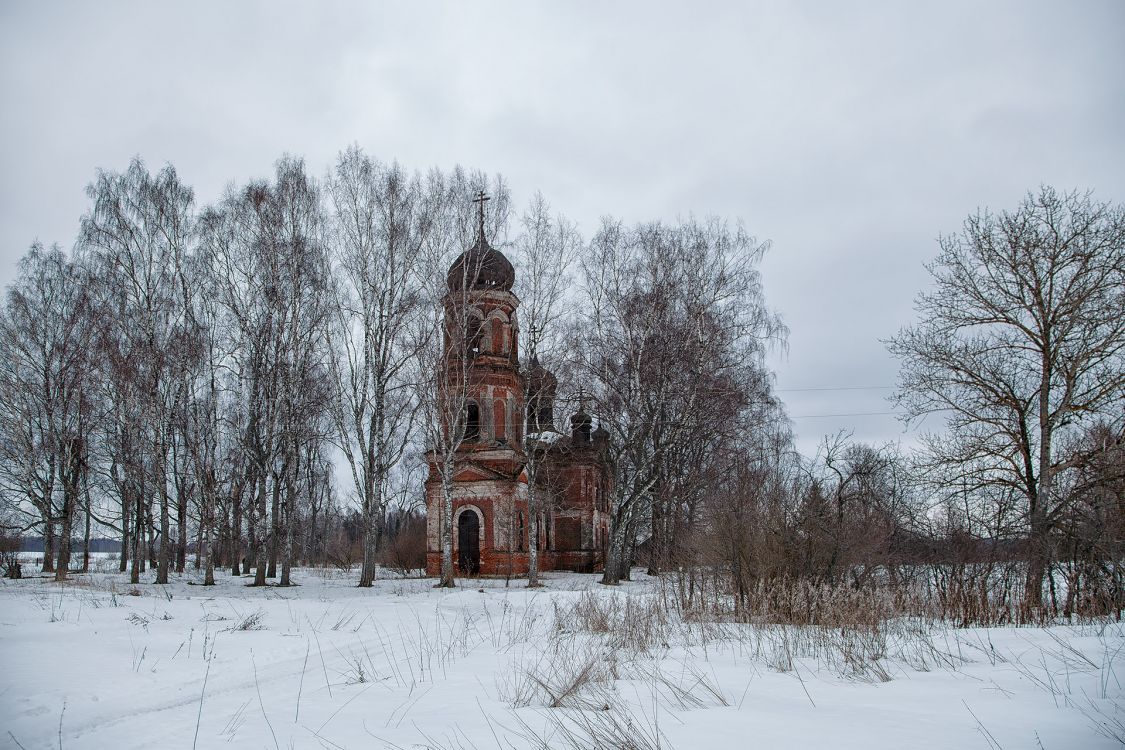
(541, 382)
(580, 425)
(483, 267)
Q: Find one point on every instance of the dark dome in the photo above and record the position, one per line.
(483, 267)
(581, 420)
(541, 381)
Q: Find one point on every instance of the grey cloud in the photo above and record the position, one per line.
(849, 136)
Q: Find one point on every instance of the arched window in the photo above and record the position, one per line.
(473, 337)
(500, 416)
(498, 338)
(498, 332)
(487, 338)
(474, 331)
(519, 537)
(472, 422)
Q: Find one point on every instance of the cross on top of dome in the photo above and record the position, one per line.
(479, 200)
(481, 266)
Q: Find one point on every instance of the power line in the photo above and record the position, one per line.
(855, 414)
(839, 388)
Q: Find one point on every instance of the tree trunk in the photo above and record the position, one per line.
(1037, 562)
(291, 471)
(205, 546)
(164, 560)
(126, 508)
(312, 554)
(370, 538)
(86, 538)
(611, 576)
(1039, 553)
(48, 544)
(236, 533)
(70, 500)
(138, 540)
(287, 545)
(275, 529)
(181, 542)
(446, 525)
(150, 527)
(207, 539)
(658, 544)
(533, 535)
(260, 533)
(199, 546)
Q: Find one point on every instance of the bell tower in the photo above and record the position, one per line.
(482, 342)
(482, 306)
(491, 522)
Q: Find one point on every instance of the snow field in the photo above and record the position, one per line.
(100, 663)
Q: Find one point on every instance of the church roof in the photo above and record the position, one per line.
(484, 267)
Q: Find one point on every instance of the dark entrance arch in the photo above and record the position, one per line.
(468, 543)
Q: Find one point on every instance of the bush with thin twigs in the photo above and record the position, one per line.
(633, 622)
(10, 545)
(572, 672)
(252, 621)
(405, 551)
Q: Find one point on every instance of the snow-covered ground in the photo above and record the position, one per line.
(98, 663)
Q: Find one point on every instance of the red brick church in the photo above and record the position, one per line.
(491, 521)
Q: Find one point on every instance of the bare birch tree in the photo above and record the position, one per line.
(138, 231)
(382, 221)
(46, 374)
(545, 250)
(268, 252)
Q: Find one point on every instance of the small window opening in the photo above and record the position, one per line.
(472, 423)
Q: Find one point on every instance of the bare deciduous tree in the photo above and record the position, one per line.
(269, 255)
(1020, 342)
(672, 334)
(382, 220)
(544, 251)
(46, 374)
(138, 231)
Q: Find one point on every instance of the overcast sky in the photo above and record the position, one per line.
(850, 138)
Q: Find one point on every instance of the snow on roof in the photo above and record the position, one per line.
(547, 436)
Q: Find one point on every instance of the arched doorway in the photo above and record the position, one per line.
(468, 543)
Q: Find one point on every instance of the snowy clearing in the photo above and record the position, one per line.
(99, 663)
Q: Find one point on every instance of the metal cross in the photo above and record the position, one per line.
(480, 199)
(534, 331)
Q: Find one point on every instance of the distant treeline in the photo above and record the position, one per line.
(35, 544)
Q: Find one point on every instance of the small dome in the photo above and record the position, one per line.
(484, 267)
(581, 421)
(580, 425)
(540, 380)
